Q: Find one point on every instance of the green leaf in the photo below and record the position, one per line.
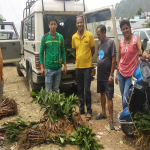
(33, 94)
(62, 140)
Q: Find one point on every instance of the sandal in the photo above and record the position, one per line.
(100, 117)
(88, 118)
(111, 125)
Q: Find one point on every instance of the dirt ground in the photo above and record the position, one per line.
(17, 88)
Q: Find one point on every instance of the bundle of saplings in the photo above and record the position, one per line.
(58, 125)
(8, 107)
(142, 123)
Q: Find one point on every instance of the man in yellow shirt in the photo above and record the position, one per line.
(84, 47)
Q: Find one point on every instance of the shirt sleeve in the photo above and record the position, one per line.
(73, 44)
(42, 48)
(113, 49)
(92, 41)
(63, 49)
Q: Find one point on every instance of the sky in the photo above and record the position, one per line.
(12, 10)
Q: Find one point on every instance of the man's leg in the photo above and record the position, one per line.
(103, 103)
(1, 91)
(110, 108)
(87, 85)
(56, 80)
(122, 86)
(80, 85)
(48, 79)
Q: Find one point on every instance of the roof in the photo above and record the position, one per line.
(142, 29)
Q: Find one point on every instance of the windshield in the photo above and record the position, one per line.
(100, 17)
(7, 32)
(148, 33)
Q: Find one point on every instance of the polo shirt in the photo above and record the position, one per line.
(83, 49)
(54, 51)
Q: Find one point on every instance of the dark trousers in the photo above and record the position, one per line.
(83, 78)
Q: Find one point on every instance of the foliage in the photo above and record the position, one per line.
(142, 121)
(127, 8)
(1, 20)
(84, 138)
(148, 25)
(56, 104)
(70, 56)
(139, 11)
(13, 129)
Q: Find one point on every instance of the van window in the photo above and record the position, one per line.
(101, 17)
(25, 29)
(7, 32)
(31, 28)
(66, 27)
(143, 35)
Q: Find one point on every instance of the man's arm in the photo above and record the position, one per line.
(41, 56)
(93, 50)
(113, 64)
(63, 55)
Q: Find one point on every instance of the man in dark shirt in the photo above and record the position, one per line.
(105, 69)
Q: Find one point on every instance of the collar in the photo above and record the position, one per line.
(55, 36)
(84, 34)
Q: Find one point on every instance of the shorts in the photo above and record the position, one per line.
(102, 86)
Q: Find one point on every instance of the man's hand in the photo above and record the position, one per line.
(65, 69)
(42, 71)
(110, 81)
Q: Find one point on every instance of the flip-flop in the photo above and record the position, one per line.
(100, 117)
(111, 125)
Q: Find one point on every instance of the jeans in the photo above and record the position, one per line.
(52, 79)
(83, 78)
(124, 84)
(1, 91)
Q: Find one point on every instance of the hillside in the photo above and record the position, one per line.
(127, 8)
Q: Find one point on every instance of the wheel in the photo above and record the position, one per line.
(18, 69)
(128, 129)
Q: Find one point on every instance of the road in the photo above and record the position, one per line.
(17, 88)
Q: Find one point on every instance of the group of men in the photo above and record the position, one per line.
(83, 45)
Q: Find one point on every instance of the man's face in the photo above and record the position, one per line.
(80, 24)
(100, 35)
(53, 26)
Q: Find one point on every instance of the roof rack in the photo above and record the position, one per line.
(29, 4)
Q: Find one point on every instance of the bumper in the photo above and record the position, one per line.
(37, 78)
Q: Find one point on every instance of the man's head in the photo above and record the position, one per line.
(52, 24)
(80, 23)
(101, 32)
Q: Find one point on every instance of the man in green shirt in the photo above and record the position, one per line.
(52, 44)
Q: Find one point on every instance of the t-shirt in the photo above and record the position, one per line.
(54, 51)
(83, 49)
(106, 51)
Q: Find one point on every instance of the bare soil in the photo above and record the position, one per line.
(17, 88)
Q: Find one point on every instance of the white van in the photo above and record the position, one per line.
(9, 43)
(35, 24)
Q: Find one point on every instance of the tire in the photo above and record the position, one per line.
(128, 129)
(33, 87)
(18, 69)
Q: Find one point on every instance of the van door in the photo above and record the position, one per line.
(9, 43)
(104, 16)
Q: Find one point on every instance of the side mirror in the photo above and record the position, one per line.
(144, 44)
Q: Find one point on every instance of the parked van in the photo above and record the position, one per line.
(9, 43)
(35, 24)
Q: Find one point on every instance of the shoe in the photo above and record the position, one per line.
(100, 117)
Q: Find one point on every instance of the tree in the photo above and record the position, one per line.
(148, 25)
(139, 11)
(1, 20)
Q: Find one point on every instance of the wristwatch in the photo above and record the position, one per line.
(111, 77)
